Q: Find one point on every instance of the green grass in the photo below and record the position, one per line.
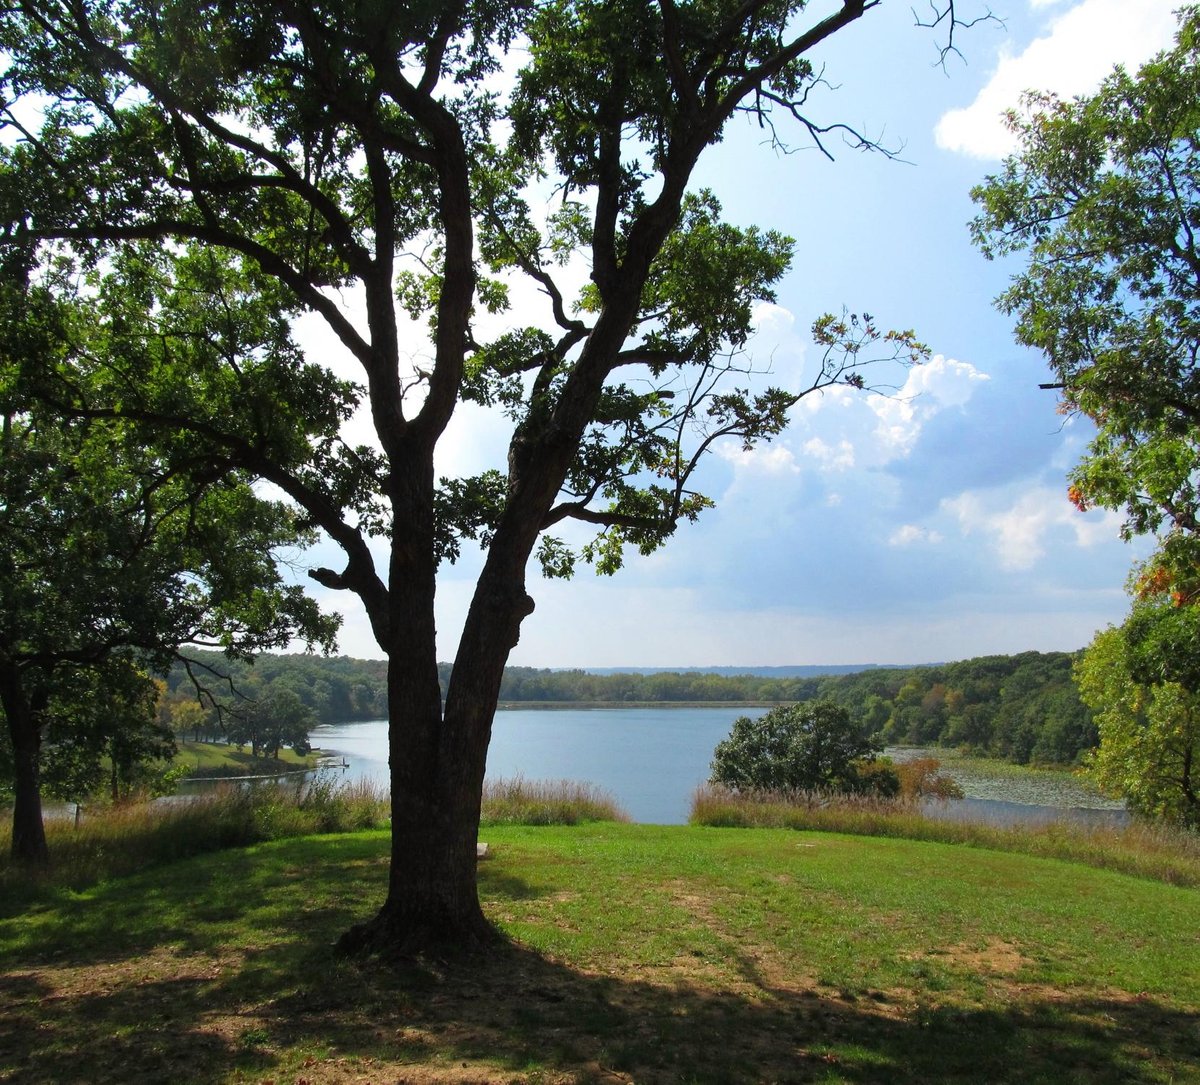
(203, 759)
(635, 953)
(1145, 850)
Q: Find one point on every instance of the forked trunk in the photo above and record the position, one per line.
(436, 763)
(433, 899)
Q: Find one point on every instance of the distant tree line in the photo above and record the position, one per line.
(1023, 708)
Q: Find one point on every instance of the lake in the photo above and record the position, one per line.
(650, 759)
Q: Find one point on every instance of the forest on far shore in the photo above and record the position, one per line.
(1023, 708)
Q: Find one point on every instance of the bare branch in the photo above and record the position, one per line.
(948, 14)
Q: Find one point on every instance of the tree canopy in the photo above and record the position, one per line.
(1148, 713)
(117, 555)
(424, 159)
(1103, 201)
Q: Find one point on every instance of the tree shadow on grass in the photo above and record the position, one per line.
(152, 1005)
(512, 1015)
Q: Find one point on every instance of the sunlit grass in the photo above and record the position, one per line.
(633, 953)
(1146, 850)
(205, 759)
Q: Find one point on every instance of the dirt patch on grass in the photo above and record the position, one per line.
(993, 957)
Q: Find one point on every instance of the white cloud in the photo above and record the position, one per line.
(773, 321)
(941, 382)
(839, 457)
(1018, 530)
(911, 535)
(772, 459)
(1080, 47)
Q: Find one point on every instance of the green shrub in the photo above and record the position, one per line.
(813, 746)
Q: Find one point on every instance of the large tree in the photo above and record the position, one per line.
(1102, 200)
(116, 556)
(406, 152)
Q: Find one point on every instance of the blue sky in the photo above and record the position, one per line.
(930, 526)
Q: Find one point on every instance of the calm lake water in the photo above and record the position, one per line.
(650, 759)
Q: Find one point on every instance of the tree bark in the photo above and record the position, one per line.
(436, 759)
(28, 833)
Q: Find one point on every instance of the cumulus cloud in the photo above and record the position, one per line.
(1079, 48)
(776, 345)
(1019, 530)
(911, 535)
(939, 383)
(772, 321)
(839, 457)
(772, 459)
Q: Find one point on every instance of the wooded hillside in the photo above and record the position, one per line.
(1022, 708)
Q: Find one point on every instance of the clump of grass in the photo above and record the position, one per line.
(1145, 850)
(113, 841)
(922, 777)
(547, 802)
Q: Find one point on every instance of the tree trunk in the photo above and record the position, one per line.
(436, 759)
(433, 900)
(28, 832)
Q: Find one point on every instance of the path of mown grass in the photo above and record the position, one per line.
(638, 954)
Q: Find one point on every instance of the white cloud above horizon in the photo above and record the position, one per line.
(1018, 528)
(1073, 54)
(938, 384)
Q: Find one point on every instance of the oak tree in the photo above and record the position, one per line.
(424, 159)
(117, 556)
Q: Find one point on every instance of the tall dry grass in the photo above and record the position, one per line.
(1143, 849)
(113, 841)
(547, 802)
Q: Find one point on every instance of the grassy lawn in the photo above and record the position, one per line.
(218, 759)
(635, 953)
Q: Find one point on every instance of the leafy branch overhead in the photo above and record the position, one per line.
(284, 194)
(1103, 201)
(369, 165)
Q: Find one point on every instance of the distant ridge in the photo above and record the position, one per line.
(806, 671)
